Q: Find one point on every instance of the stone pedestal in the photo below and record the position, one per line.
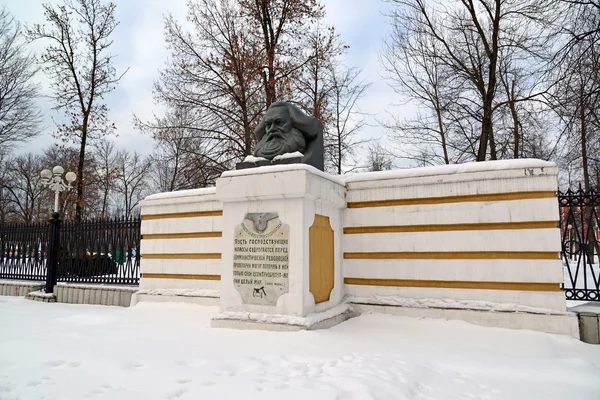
(281, 248)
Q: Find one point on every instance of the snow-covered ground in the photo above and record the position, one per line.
(168, 351)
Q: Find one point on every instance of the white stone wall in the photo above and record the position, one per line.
(452, 213)
(180, 230)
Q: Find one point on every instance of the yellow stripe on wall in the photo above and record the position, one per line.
(456, 255)
(213, 213)
(485, 226)
(454, 199)
(527, 286)
(182, 276)
(189, 235)
(183, 256)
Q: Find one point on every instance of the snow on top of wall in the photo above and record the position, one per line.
(41, 294)
(181, 193)
(270, 169)
(477, 305)
(524, 163)
(21, 283)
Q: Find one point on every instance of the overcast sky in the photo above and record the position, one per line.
(139, 45)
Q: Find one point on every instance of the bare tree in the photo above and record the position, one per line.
(23, 191)
(466, 43)
(577, 91)
(5, 209)
(276, 26)
(231, 61)
(132, 180)
(341, 139)
(313, 83)
(412, 65)
(183, 159)
(78, 61)
(378, 159)
(19, 117)
(212, 77)
(578, 108)
(105, 163)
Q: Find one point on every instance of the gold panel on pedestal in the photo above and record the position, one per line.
(321, 262)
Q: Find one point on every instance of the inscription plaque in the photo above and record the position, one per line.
(261, 258)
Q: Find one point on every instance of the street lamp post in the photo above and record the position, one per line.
(54, 181)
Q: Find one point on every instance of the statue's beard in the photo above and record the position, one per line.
(272, 145)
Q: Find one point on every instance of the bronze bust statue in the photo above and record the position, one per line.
(285, 129)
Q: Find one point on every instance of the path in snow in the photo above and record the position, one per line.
(168, 351)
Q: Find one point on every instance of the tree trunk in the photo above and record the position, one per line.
(339, 134)
(584, 155)
(438, 113)
(487, 126)
(80, 186)
(486, 131)
(104, 200)
(493, 155)
(270, 88)
(515, 118)
(247, 131)
(175, 171)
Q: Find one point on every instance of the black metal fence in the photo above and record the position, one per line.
(23, 251)
(96, 251)
(580, 233)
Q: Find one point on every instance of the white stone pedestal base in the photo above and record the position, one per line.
(281, 249)
(156, 298)
(283, 323)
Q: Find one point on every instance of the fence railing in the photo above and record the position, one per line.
(96, 251)
(580, 233)
(23, 251)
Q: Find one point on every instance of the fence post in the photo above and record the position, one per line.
(53, 252)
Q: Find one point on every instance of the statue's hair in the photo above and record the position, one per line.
(309, 126)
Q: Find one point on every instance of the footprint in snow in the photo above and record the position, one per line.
(177, 393)
(55, 363)
(425, 387)
(130, 366)
(5, 388)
